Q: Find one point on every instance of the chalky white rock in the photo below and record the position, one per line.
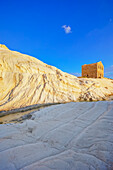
(66, 136)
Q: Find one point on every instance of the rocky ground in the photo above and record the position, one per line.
(25, 81)
(66, 136)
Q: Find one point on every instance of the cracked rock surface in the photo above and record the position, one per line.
(25, 81)
(62, 137)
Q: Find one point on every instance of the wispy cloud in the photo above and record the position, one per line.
(110, 20)
(109, 72)
(67, 29)
(76, 74)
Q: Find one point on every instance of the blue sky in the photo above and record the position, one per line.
(62, 33)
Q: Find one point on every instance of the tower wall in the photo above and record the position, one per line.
(95, 70)
(100, 70)
(89, 70)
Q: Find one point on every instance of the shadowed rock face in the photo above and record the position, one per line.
(25, 80)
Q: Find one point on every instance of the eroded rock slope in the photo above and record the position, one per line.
(25, 80)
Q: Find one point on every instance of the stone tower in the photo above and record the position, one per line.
(95, 70)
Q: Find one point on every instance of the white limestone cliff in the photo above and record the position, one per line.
(25, 80)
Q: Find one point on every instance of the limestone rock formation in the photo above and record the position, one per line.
(25, 80)
(63, 137)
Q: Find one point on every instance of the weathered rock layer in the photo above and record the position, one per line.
(67, 136)
(25, 80)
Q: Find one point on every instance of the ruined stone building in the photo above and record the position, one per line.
(95, 70)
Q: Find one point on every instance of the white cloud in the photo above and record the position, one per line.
(76, 74)
(67, 29)
(110, 20)
(109, 72)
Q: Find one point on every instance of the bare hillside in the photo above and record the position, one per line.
(25, 80)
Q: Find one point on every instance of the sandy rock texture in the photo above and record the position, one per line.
(25, 80)
(61, 137)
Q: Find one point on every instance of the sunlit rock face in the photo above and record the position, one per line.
(25, 80)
